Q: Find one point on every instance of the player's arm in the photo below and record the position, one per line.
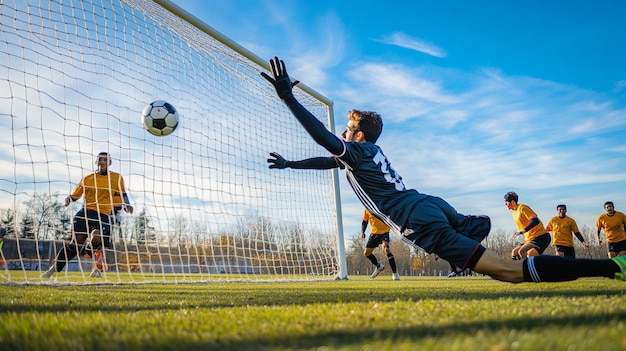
(126, 206)
(533, 223)
(581, 239)
(75, 195)
(280, 162)
(363, 228)
(283, 85)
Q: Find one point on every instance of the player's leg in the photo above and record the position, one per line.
(368, 253)
(374, 241)
(468, 253)
(515, 253)
(387, 251)
(100, 237)
(476, 227)
(545, 268)
(528, 249)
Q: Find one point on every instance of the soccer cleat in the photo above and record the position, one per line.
(378, 270)
(620, 261)
(95, 273)
(47, 274)
(395, 276)
(453, 274)
(100, 263)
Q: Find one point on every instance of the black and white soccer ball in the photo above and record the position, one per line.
(160, 118)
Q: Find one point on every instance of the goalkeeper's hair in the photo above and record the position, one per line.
(370, 123)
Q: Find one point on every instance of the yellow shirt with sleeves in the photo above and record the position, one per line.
(102, 192)
(613, 226)
(562, 230)
(522, 217)
(378, 227)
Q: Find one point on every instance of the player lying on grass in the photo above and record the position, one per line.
(427, 221)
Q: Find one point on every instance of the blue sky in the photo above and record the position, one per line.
(478, 98)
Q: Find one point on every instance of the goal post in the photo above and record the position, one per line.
(74, 78)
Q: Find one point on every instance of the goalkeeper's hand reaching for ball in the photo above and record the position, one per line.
(280, 80)
(278, 161)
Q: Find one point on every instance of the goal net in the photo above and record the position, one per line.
(74, 78)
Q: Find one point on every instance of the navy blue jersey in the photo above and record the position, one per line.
(378, 185)
(375, 182)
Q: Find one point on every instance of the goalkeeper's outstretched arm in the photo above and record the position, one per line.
(283, 85)
(280, 162)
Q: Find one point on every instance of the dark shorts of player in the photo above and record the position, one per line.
(618, 246)
(542, 242)
(375, 240)
(435, 226)
(567, 251)
(86, 221)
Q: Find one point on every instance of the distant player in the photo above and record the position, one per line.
(379, 236)
(562, 226)
(536, 238)
(614, 225)
(427, 221)
(92, 224)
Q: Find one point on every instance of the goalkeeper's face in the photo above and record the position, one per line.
(352, 131)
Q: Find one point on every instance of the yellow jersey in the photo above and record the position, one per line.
(378, 227)
(562, 230)
(102, 192)
(613, 226)
(522, 217)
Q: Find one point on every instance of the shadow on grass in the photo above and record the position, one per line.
(60, 299)
(391, 334)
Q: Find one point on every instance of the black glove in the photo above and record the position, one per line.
(278, 161)
(281, 81)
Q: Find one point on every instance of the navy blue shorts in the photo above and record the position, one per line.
(542, 242)
(567, 251)
(618, 246)
(85, 223)
(435, 226)
(375, 240)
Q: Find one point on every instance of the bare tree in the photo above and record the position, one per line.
(47, 215)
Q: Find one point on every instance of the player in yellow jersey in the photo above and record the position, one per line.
(614, 225)
(536, 238)
(92, 223)
(562, 226)
(379, 235)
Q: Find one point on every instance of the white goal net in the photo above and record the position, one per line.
(74, 78)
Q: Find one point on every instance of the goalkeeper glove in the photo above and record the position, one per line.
(278, 161)
(280, 81)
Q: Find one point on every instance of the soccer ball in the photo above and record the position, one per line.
(160, 118)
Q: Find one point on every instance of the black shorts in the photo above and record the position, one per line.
(376, 239)
(567, 251)
(85, 222)
(542, 242)
(618, 246)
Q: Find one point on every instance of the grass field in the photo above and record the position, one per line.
(421, 313)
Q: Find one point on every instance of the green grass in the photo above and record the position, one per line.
(358, 314)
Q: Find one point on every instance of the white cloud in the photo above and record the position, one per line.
(405, 41)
